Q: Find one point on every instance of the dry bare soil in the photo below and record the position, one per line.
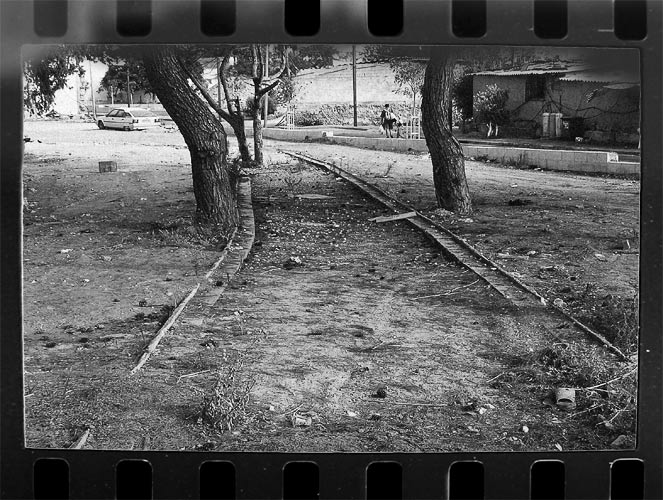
(339, 334)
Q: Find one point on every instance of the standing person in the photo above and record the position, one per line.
(388, 119)
(383, 120)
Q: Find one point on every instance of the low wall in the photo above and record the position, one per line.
(551, 159)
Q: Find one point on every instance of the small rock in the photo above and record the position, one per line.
(525, 429)
(142, 303)
(381, 392)
(292, 262)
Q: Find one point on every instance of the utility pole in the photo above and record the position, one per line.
(78, 94)
(94, 104)
(354, 82)
(128, 89)
(264, 125)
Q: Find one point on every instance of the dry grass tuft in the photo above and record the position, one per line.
(225, 407)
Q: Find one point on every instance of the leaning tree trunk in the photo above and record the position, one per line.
(213, 179)
(446, 153)
(237, 124)
(257, 132)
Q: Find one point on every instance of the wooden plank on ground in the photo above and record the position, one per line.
(389, 218)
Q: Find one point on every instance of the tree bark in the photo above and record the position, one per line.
(214, 181)
(446, 153)
(257, 132)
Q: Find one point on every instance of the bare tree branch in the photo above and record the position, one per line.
(257, 64)
(223, 79)
(272, 85)
(210, 100)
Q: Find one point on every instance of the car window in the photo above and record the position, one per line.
(141, 112)
(121, 114)
(113, 113)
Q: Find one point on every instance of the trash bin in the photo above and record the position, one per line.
(572, 127)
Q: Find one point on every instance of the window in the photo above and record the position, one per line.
(113, 113)
(535, 87)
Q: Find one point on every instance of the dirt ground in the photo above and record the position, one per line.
(339, 334)
(571, 237)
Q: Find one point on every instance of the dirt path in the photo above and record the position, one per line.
(570, 237)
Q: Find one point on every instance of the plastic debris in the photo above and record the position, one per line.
(565, 398)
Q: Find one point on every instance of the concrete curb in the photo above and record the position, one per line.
(229, 262)
(587, 161)
(236, 251)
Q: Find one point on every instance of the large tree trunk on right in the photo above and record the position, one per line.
(446, 153)
(214, 181)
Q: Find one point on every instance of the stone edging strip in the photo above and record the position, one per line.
(461, 251)
(230, 261)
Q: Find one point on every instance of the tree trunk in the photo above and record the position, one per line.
(213, 180)
(236, 119)
(257, 132)
(240, 133)
(446, 153)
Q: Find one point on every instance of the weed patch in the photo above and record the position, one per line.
(184, 233)
(225, 406)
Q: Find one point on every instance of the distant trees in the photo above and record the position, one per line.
(45, 73)
(127, 76)
(409, 75)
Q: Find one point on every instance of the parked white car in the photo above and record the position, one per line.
(129, 119)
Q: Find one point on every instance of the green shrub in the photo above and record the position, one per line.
(308, 118)
(490, 105)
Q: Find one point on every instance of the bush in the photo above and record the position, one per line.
(308, 118)
(271, 106)
(490, 105)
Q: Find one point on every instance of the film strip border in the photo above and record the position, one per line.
(85, 474)
(404, 21)
(162, 476)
